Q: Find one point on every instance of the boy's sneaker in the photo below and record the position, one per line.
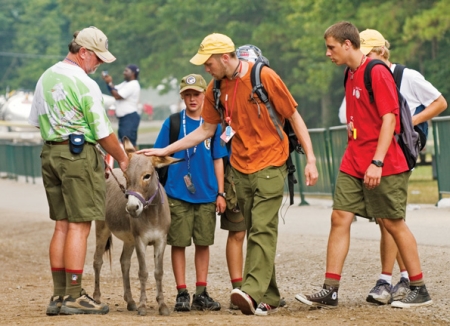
(417, 296)
(183, 302)
(380, 294)
(82, 305)
(325, 298)
(204, 302)
(243, 301)
(54, 306)
(264, 309)
(400, 290)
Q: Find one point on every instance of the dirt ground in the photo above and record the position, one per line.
(25, 232)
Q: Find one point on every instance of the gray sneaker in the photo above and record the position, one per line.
(325, 298)
(380, 294)
(82, 305)
(54, 306)
(417, 296)
(183, 302)
(400, 290)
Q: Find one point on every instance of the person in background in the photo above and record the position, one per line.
(425, 102)
(67, 107)
(127, 100)
(195, 190)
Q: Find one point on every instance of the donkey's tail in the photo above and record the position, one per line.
(108, 248)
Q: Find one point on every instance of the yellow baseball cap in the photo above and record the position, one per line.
(212, 44)
(193, 81)
(370, 38)
(95, 40)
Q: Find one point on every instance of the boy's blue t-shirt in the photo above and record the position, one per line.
(201, 164)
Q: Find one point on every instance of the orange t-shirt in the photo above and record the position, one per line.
(256, 144)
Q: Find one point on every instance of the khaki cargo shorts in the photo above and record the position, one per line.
(232, 219)
(388, 200)
(191, 221)
(74, 183)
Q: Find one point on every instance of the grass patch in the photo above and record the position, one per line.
(422, 188)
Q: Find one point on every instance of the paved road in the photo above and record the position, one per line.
(429, 224)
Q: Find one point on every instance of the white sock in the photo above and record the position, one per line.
(404, 274)
(387, 278)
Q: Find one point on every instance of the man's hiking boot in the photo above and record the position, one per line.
(204, 302)
(325, 298)
(380, 294)
(82, 305)
(417, 296)
(183, 302)
(54, 306)
(400, 290)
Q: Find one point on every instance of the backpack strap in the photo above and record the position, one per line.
(368, 76)
(174, 127)
(217, 104)
(259, 89)
(398, 74)
(346, 76)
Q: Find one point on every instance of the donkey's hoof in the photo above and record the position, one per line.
(164, 310)
(142, 311)
(131, 306)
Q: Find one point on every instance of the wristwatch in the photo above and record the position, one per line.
(222, 194)
(377, 163)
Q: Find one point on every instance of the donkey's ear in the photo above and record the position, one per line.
(160, 161)
(129, 148)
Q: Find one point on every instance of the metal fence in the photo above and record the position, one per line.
(441, 136)
(22, 159)
(19, 159)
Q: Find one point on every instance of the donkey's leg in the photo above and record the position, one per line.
(103, 243)
(125, 262)
(143, 275)
(158, 249)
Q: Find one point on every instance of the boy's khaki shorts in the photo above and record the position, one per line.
(191, 221)
(388, 200)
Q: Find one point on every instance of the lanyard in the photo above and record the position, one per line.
(184, 131)
(229, 112)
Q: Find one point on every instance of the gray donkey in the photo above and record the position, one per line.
(139, 218)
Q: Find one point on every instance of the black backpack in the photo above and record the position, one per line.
(398, 75)
(174, 130)
(408, 138)
(260, 91)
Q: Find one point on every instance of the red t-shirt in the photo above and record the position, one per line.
(256, 144)
(367, 119)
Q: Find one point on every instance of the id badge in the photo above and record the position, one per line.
(189, 185)
(227, 134)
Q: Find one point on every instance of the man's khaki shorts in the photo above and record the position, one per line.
(196, 221)
(388, 200)
(74, 183)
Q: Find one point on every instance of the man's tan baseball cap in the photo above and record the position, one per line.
(370, 38)
(212, 44)
(95, 40)
(193, 81)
